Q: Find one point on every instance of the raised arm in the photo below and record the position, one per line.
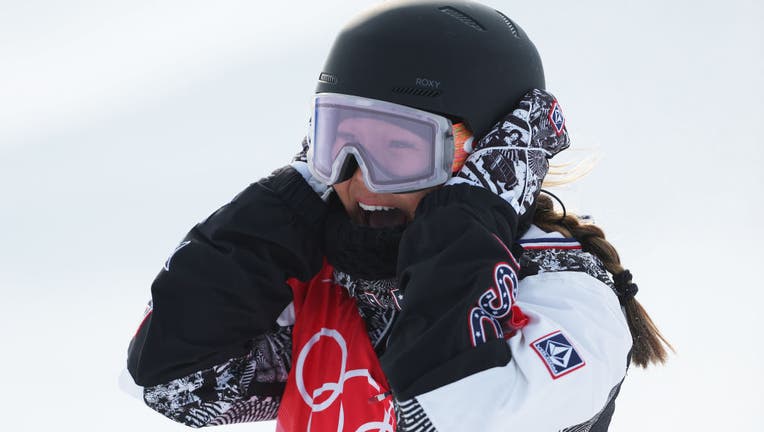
(474, 349)
(210, 348)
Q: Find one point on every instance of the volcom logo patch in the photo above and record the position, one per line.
(556, 118)
(558, 354)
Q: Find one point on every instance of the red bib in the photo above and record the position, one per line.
(336, 382)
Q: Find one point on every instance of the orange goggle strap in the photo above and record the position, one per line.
(461, 135)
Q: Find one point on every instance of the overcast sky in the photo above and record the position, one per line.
(123, 123)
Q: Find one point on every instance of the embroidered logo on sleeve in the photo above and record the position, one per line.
(556, 118)
(493, 305)
(558, 354)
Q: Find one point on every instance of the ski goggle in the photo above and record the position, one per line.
(398, 148)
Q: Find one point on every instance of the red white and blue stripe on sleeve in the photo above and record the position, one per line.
(549, 243)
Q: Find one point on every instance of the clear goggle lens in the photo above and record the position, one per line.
(398, 149)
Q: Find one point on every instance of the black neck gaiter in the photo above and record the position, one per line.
(360, 251)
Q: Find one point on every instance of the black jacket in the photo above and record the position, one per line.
(215, 347)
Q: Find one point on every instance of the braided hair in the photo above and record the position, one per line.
(649, 345)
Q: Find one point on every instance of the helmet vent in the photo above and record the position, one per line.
(327, 78)
(416, 91)
(509, 24)
(462, 17)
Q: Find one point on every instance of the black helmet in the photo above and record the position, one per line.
(459, 59)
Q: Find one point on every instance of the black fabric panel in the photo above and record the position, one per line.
(362, 251)
(603, 422)
(228, 284)
(446, 262)
(412, 380)
(266, 389)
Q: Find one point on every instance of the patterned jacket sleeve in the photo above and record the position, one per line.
(209, 350)
(450, 372)
(242, 389)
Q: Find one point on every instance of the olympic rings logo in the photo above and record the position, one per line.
(336, 388)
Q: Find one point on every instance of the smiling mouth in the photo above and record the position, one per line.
(381, 216)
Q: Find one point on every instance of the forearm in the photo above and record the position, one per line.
(458, 278)
(227, 283)
(544, 387)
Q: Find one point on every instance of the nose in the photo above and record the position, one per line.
(358, 174)
(358, 178)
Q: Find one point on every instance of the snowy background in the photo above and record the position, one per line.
(123, 123)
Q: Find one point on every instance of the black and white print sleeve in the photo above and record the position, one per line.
(243, 389)
(411, 417)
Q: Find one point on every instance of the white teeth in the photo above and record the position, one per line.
(373, 207)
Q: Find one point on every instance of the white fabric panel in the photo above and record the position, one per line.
(523, 395)
(304, 171)
(534, 232)
(286, 318)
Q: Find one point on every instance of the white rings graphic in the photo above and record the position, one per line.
(336, 388)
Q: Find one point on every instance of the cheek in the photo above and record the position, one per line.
(409, 202)
(343, 192)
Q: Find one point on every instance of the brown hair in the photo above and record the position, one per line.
(649, 345)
